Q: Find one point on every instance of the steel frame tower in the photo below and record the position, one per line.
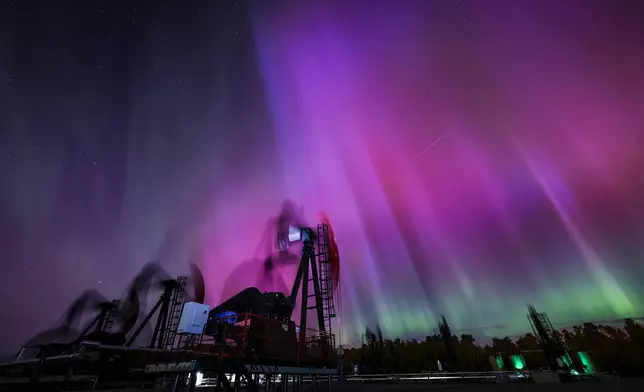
(553, 346)
(302, 278)
(169, 308)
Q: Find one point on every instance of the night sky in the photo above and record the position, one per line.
(473, 156)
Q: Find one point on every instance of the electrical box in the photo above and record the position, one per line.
(193, 318)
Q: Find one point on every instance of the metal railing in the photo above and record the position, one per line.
(440, 376)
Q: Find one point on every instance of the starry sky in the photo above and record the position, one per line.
(473, 156)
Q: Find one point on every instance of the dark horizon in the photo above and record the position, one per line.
(472, 157)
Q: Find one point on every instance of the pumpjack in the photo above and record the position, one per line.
(115, 320)
(63, 338)
(252, 333)
(316, 270)
(559, 357)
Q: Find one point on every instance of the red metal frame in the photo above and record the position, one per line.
(272, 340)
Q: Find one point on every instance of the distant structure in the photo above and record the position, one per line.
(556, 351)
(372, 362)
(450, 361)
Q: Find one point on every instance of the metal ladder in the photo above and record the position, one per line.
(109, 317)
(326, 278)
(176, 306)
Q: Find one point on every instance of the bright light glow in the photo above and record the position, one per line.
(199, 379)
(294, 234)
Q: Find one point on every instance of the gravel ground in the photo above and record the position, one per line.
(611, 385)
(608, 385)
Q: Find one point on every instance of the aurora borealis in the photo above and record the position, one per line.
(473, 156)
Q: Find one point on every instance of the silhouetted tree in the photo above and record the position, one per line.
(611, 349)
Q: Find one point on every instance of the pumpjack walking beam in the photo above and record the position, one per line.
(102, 322)
(163, 329)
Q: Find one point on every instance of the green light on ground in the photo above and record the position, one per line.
(499, 362)
(588, 364)
(566, 360)
(518, 363)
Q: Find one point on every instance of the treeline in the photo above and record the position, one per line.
(612, 349)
